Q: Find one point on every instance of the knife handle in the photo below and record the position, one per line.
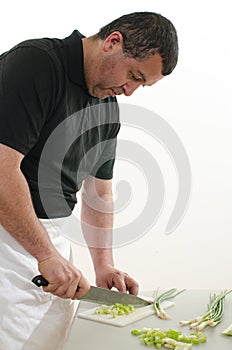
(40, 281)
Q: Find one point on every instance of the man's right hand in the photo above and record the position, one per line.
(65, 280)
(18, 217)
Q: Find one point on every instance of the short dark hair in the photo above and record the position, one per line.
(144, 35)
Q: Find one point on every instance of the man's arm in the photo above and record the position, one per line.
(97, 222)
(18, 217)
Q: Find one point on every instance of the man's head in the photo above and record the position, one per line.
(133, 50)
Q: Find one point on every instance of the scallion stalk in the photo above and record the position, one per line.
(158, 299)
(214, 314)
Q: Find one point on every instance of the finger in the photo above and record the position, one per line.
(63, 280)
(63, 288)
(66, 291)
(51, 288)
(58, 287)
(60, 292)
(82, 289)
(132, 286)
(119, 283)
(70, 292)
(106, 285)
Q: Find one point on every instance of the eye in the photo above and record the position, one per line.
(134, 77)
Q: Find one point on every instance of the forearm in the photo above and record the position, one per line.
(97, 230)
(18, 217)
(97, 222)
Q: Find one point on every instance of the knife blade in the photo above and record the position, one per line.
(108, 297)
(102, 295)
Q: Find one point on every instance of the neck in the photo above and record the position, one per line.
(91, 49)
(91, 53)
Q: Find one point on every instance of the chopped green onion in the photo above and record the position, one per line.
(171, 339)
(115, 310)
(213, 316)
(158, 299)
(228, 330)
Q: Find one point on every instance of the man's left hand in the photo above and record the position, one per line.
(109, 277)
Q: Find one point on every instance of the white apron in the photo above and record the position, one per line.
(31, 319)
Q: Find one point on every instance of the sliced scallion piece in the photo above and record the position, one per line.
(115, 310)
(171, 339)
(228, 330)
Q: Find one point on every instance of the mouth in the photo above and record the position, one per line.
(107, 92)
(116, 92)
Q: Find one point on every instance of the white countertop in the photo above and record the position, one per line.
(91, 335)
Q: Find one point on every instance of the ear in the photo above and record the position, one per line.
(112, 42)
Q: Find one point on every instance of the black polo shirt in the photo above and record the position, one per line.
(47, 114)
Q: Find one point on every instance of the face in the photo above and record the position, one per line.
(116, 74)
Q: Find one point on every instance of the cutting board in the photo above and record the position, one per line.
(124, 320)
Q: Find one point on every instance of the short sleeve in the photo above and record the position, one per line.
(103, 169)
(27, 93)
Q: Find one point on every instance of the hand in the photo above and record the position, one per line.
(109, 277)
(64, 279)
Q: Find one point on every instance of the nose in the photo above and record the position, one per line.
(130, 87)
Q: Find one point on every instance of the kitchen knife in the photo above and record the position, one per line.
(102, 295)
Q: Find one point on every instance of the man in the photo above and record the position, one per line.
(45, 84)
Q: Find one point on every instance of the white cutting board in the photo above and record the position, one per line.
(124, 320)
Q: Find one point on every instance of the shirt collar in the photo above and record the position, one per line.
(75, 58)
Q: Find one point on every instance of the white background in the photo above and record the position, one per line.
(195, 101)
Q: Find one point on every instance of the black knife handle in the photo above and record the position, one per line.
(40, 281)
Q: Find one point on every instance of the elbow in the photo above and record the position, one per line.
(100, 203)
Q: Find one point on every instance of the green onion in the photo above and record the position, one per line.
(228, 330)
(213, 316)
(115, 310)
(171, 339)
(158, 299)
